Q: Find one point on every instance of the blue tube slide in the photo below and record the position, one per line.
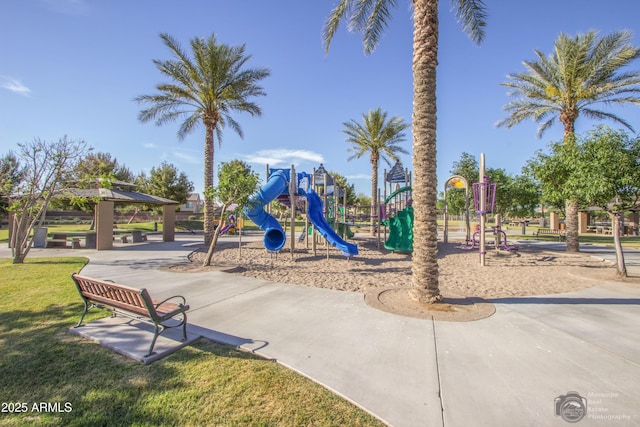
(274, 235)
(314, 212)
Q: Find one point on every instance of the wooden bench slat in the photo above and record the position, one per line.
(542, 231)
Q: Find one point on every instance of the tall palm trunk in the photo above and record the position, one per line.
(209, 212)
(568, 118)
(571, 225)
(424, 284)
(374, 191)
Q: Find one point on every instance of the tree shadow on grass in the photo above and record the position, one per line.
(88, 384)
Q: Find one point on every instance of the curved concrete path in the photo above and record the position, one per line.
(509, 369)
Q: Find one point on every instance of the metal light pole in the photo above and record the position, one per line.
(483, 210)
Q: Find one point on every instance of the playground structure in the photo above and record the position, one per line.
(318, 195)
(484, 198)
(396, 213)
(500, 239)
(456, 181)
(290, 188)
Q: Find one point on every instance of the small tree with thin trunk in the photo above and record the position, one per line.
(236, 183)
(609, 177)
(45, 166)
(600, 169)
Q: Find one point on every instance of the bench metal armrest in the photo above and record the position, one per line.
(181, 309)
(183, 303)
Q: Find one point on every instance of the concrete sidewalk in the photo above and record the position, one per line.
(512, 368)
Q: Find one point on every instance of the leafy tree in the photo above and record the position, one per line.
(11, 174)
(553, 171)
(503, 195)
(141, 181)
(370, 18)
(524, 196)
(515, 196)
(550, 184)
(363, 200)
(236, 183)
(344, 185)
(45, 166)
(468, 168)
(165, 181)
(99, 167)
(581, 75)
(380, 138)
(206, 89)
(95, 170)
(610, 178)
(599, 169)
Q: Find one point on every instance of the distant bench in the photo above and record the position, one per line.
(547, 231)
(132, 303)
(136, 236)
(59, 240)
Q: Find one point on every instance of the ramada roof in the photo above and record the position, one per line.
(116, 196)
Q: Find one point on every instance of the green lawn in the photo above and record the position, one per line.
(84, 384)
(628, 242)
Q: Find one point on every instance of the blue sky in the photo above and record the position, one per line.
(74, 67)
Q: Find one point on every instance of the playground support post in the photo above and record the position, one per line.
(325, 206)
(344, 215)
(498, 229)
(457, 180)
(313, 228)
(292, 199)
(384, 206)
(379, 222)
(483, 209)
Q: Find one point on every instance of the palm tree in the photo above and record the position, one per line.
(206, 89)
(370, 17)
(380, 138)
(582, 74)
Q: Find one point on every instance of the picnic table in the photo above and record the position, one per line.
(137, 236)
(62, 239)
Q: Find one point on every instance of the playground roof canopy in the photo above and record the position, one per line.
(397, 173)
(318, 178)
(116, 196)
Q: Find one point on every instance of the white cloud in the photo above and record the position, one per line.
(282, 157)
(189, 158)
(14, 85)
(149, 145)
(359, 176)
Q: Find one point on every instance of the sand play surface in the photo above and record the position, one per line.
(384, 277)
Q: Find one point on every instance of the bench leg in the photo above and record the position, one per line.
(158, 330)
(184, 327)
(86, 308)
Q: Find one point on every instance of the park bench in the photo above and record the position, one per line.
(133, 303)
(547, 231)
(136, 236)
(61, 239)
(55, 243)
